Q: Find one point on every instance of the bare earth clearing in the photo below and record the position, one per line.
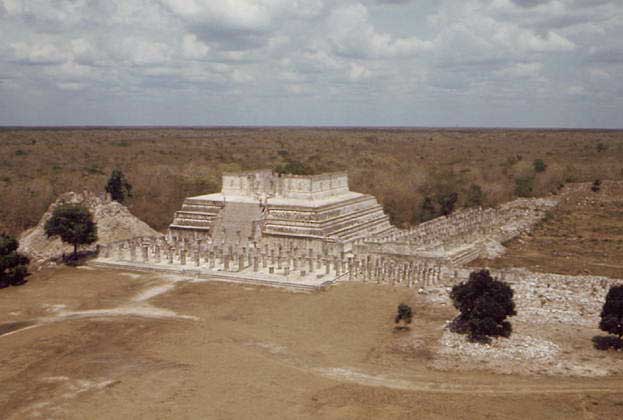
(108, 345)
(584, 235)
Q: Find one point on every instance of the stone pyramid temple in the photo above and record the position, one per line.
(263, 207)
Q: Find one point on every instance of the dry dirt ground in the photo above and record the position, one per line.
(583, 235)
(109, 344)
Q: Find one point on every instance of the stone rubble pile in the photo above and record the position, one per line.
(515, 348)
(114, 223)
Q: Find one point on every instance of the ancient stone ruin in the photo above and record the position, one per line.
(310, 231)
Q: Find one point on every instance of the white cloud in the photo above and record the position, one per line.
(352, 35)
(521, 71)
(409, 55)
(38, 53)
(193, 48)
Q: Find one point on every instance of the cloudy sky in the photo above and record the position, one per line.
(511, 63)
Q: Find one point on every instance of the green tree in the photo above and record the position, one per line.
(596, 186)
(484, 304)
(447, 202)
(404, 315)
(539, 165)
(612, 312)
(475, 196)
(427, 210)
(524, 186)
(13, 265)
(293, 167)
(74, 224)
(118, 186)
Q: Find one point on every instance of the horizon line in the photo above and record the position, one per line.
(366, 127)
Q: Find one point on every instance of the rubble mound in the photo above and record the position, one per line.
(519, 348)
(114, 223)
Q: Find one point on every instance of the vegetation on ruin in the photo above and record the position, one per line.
(293, 167)
(74, 224)
(118, 186)
(484, 304)
(401, 166)
(13, 265)
(404, 316)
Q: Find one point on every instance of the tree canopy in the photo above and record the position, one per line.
(13, 265)
(484, 303)
(612, 312)
(118, 186)
(74, 224)
(404, 314)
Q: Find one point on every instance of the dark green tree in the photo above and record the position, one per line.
(427, 210)
(118, 186)
(447, 202)
(404, 314)
(74, 224)
(293, 167)
(612, 312)
(524, 186)
(539, 165)
(13, 265)
(596, 186)
(484, 304)
(475, 196)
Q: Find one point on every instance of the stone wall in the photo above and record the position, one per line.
(265, 183)
(464, 232)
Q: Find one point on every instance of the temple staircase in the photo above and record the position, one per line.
(236, 223)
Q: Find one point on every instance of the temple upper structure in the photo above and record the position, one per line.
(262, 206)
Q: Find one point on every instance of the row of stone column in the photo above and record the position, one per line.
(228, 260)
(404, 273)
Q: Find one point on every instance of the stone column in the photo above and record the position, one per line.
(170, 256)
(351, 275)
(211, 257)
(120, 253)
(255, 264)
(240, 262)
(226, 262)
(327, 267)
(197, 257)
(183, 257)
(145, 253)
(132, 252)
(157, 253)
(336, 264)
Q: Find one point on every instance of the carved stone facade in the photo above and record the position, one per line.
(265, 207)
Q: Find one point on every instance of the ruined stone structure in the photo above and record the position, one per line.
(309, 231)
(281, 211)
(461, 237)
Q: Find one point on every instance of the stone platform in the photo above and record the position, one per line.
(246, 276)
